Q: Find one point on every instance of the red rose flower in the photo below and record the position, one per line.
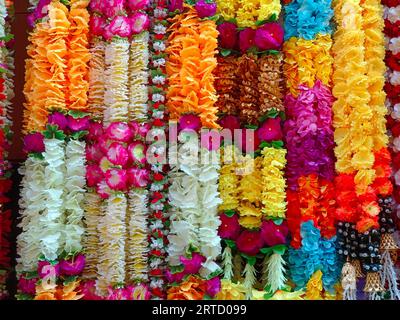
(250, 242)
(230, 227)
(273, 234)
(246, 39)
(270, 130)
(228, 36)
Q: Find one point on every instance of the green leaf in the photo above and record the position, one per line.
(278, 222)
(36, 155)
(266, 251)
(251, 260)
(214, 274)
(273, 17)
(215, 18)
(272, 113)
(69, 280)
(230, 243)
(177, 269)
(279, 249)
(31, 275)
(191, 2)
(225, 52)
(77, 114)
(59, 135)
(282, 115)
(265, 144)
(261, 22)
(230, 213)
(79, 135)
(278, 144)
(24, 296)
(207, 297)
(65, 2)
(232, 20)
(251, 126)
(273, 52)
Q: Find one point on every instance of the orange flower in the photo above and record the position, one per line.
(192, 289)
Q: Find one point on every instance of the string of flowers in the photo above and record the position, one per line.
(360, 131)
(250, 96)
(158, 218)
(52, 207)
(6, 94)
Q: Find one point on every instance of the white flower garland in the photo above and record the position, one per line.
(116, 98)
(97, 78)
(139, 77)
(32, 204)
(112, 231)
(137, 236)
(75, 182)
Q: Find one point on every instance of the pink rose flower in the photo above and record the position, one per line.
(175, 5)
(138, 178)
(104, 143)
(73, 267)
(96, 5)
(34, 143)
(228, 35)
(58, 119)
(137, 152)
(107, 33)
(93, 175)
(117, 154)
(174, 277)
(88, 289)
(97, 25)
(229, 228)
(103, 190)
(246, 39)
(205, 9)
(269, 36)
(273, 234)
(94, 152)
(111, 8)
(270, 130)
(95, 131)
(27, 286)
(250, 242)
(119, 131)
(136, 5)
(121, 26)
(193, 265)
(213, 286)
(46, 269)
(139, 22)
(116, 179)
(78, 124)
(189, 122)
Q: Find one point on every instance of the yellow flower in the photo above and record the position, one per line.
(231, 291)
(314, 286)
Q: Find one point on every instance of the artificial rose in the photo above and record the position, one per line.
(190, 121)
(249, 242)
(246, 39)
(111, 8)
(117, 154)
(78, 124)
(116, 179)
(95, 131)
(273, 234)
(121, 26)
(174, 277)
(96, 5)
(34, 143)
(136, 5)
(228, 35)
(211, 140)
(58, 119)
(137, 152)
(73, 267)
(94, 152)
(27, 286)
(119, 131)
(249, 142)
(139, 22)
(270, 130)
(103, 190)
(107, 33)
(193, 265)
(93, 175)
(229, 228)
(213, 286)
(138, 178)
(175, 5)
(269, 36)
(205, 9)
(97, 25)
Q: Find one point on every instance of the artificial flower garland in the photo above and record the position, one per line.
(6, 94)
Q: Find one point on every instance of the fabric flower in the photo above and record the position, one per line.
(139, 22)
(246, 39)
(117, 154)
(27, 286)
(112, 8)
(34, 143)
(249, 242)
(273, 234)
(136, 5)
(97, 25)
(137, 152)
(93, 175)
(58, 119)
(192, 265)
(78, 124)
(228, 35)
(229, 228)
(116, 179)
(249, 142)
(269, 36)
(175, 5)
(119, 131)
(213, 286)
(231, 291)
(138, 178)
(121, 26)
(73, 267)
(189, 121)
(230, 122)
(205, 9)
(270, 130)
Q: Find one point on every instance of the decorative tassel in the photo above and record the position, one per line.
(227, 263)
(388, 274)
(237, 268)
(274, 272)
(373, 286)
(349, 281)
(250, 279)
(357, 266)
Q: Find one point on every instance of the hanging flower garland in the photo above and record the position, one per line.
(363, 160)
(49, 268)
(6, 94)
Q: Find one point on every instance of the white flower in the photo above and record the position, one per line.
(396, 111)
(394, 45)
(395, 78)
(396, 144)
(156, 225)
(159, 80)
(159, 46)
(159, 114)
(157, 97)
(159, 62)
(392, 14)
(160, 13)
(397, 178)
(156, 187)
(160, 29)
